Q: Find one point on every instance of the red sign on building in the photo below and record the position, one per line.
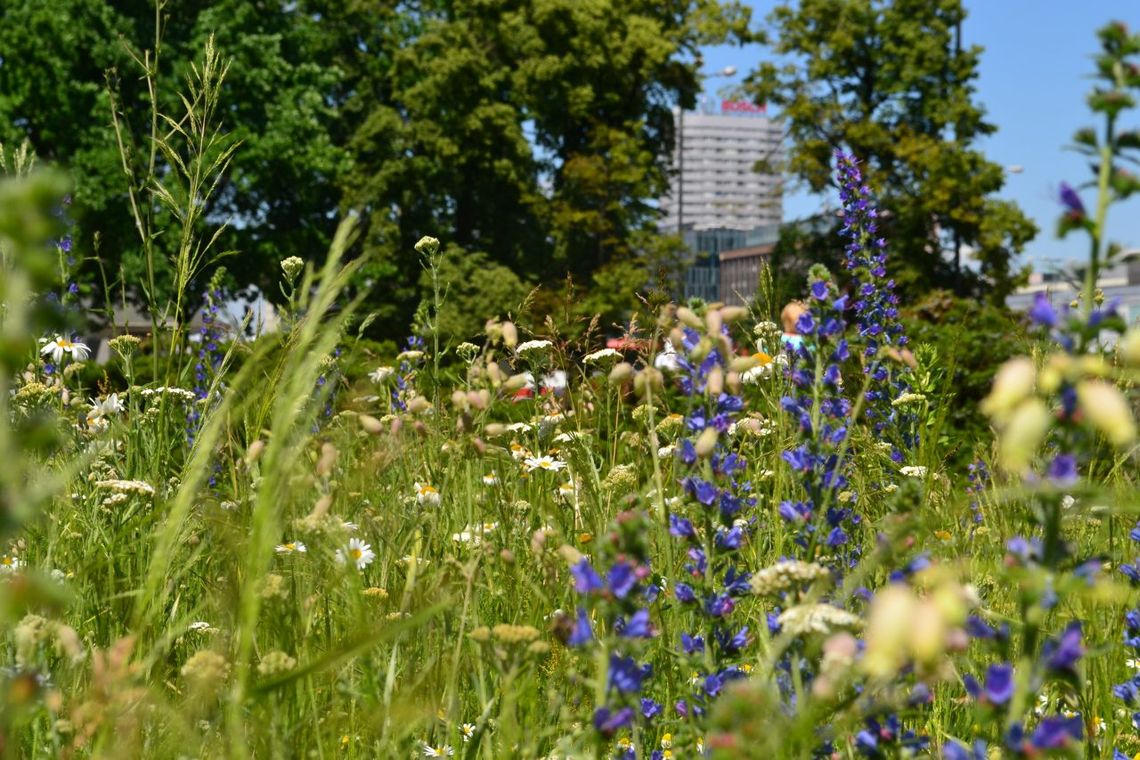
(741, 106)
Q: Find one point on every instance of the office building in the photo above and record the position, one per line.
(714, 184)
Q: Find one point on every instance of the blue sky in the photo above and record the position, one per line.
(1032, 83)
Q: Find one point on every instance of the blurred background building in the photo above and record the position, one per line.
(718, 202)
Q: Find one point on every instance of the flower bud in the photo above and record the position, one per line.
(1023, 433)
(621, 372)
(888, 631)
(1012, 383)
(928, 633)
(733, 313)
(327, 460)
(742, 364)
(689, 317)
(715, 322)
(428, 246)
(648, 379)
(418, 404)
(715, 384)
(480, 399)
(1130, 348)
(706, 443)
(256, 449)
(371, 424)
(1107, 410)
(494, 429)
(510, 334)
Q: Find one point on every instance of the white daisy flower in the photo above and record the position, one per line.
(666, 361)
(380, 374)
(543, 463)
(556, 381)
(490, 479)
(467, 730)
(59, 347)
(427, 495)
(291, 547)
(441, 751)
(9, 563)
(358, 552)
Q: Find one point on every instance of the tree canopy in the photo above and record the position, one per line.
(891, 82)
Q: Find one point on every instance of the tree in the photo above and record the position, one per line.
(889, 82)
(536, 131)
(64, 59)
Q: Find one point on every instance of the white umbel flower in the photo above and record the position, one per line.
(913, 471)
(602, 357)
(533, 346)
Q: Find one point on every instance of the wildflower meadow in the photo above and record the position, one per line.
(711, 531)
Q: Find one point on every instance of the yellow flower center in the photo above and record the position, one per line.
(355, 553)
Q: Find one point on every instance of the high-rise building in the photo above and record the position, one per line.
(714, 183)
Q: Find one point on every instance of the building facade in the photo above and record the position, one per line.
(714, 184)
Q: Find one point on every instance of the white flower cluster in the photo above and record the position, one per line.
(126, 487)
(537, 346)
(785, 575)
(913, 471)
(815, 618)
(604, 356)
(907, 399)
(180, 394)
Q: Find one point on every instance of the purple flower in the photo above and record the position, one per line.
(1062, 654)
(999, 684)
(585, 579)
(621, 579)
(1070, 200)
(609, 722)
(1057, 732)
(638, 626)
(581, 634)
(1042, 312)
(626, 675)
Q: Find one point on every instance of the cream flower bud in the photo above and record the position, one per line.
(715, 322)
(706, 443)
(1107, 410)
(370, 424)
(888, 631)
(510, 334)
(1023, 433)
(715, 383)
(621, 372)
(928, 633)
(689, 317)
(428, 246)
(733, 313)
(1129, 346)
(1013, 382)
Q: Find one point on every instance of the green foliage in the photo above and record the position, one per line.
(477, 289)
(971, 340)
(888, 81)
(67, 61)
